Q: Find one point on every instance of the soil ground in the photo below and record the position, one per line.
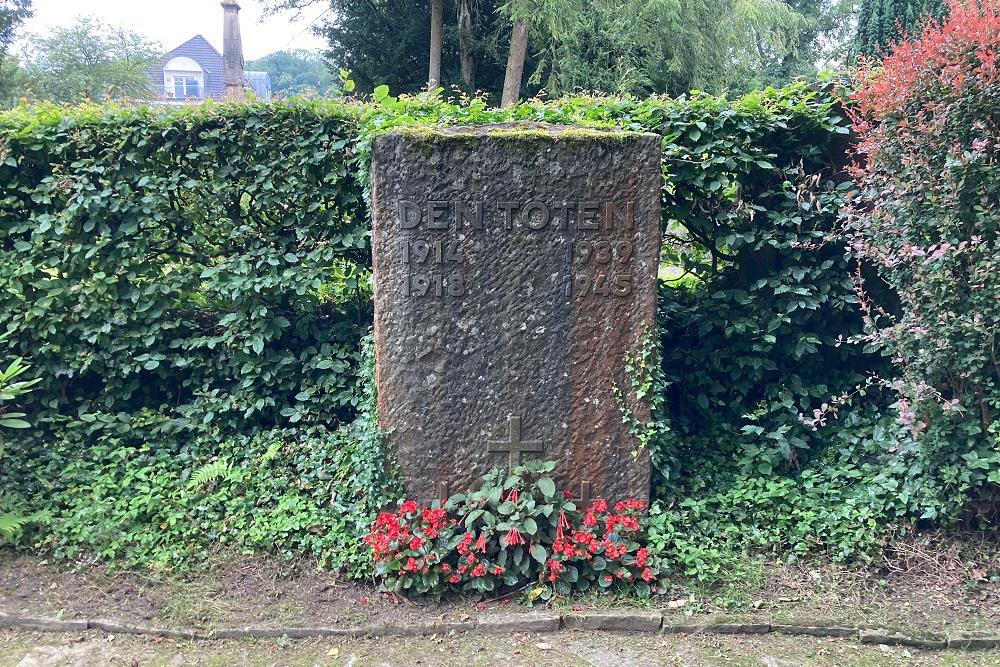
(923, 586)
(929, 587)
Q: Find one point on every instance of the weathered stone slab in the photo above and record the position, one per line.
(975, 640)
(37, 624)
(883, 636)
(520, 623)
(123, 628)
(614, 622)
(738, 628)
(515, 268)
(814, 630)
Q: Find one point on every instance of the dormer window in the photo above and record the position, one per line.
(183, 79)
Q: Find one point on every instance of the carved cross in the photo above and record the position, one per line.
(513, 444)
(586, 491)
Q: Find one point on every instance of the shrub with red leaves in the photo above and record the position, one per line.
(928, 121)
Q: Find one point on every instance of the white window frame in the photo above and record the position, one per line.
(182, 67)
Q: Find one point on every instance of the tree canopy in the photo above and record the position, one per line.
(297, 72)
(91, 60)
(614, 46)
(12, 14)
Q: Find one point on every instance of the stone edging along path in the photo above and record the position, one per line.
(537, 623)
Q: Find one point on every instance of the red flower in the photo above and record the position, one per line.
(416, 543)
(411, 565)
(481, 544)
(444, 567)
(479, 570)
(498, 570)
(640, 557)
(454, 579)
(599, 506)
(513, 537)
(513, 496)
(646, 575)
(562, 526)
(567, 495)
(408, 507)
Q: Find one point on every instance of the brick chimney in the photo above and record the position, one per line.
(232, 54)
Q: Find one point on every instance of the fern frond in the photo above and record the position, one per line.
(12, 525)
(210, 472)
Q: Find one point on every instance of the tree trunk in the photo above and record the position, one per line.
(437, 29)
(465, 44)
(515, 65)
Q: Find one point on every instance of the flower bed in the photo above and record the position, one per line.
(514, 533)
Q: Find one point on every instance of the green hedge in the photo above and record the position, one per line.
(192, 287)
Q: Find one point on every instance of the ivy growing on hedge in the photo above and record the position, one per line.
(192, 287)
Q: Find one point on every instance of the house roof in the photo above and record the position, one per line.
(201, 51)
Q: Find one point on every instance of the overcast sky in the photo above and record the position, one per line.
(173, 22)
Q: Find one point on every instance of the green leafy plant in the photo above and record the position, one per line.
(14, 515)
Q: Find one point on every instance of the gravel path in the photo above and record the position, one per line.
(587, 649)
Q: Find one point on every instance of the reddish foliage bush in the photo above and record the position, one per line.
(928, 121)
(943, 63)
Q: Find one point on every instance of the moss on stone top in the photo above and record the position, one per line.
(528, 132)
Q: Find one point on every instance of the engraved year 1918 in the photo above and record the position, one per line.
(424, 284)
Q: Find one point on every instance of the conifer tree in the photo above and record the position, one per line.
(881, 22)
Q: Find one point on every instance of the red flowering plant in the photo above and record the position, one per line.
(411, 548)
(603, 546)
(515, 532)
(510, 523)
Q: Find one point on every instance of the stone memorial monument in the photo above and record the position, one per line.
(515, 268)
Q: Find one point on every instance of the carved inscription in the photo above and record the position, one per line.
(594, 267)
